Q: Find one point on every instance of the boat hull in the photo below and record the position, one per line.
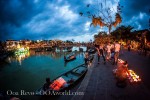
(69, 78)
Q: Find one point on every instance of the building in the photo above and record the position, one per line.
(11, 44)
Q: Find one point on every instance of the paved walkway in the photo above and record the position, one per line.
(100, 84)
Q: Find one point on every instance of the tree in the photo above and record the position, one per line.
(102, 37)
(68, 41)
(102, 15)
(123, 32)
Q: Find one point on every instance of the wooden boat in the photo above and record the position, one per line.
(70, 57)
(64, 81)
(91, 50)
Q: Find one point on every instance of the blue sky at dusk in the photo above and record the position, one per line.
(60, 19)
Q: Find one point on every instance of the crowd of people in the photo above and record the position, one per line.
(108, 51)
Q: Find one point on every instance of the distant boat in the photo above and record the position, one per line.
(91, 50)
(21, 50)
(65, 80)
(69, 58)
(81, 49)
(69, 50)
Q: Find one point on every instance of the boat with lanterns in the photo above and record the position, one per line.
(21, 50)
(64, 81)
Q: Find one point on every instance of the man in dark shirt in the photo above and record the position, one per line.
(47, 84)
(100, 51)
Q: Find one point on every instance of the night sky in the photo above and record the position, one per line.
(60, 19)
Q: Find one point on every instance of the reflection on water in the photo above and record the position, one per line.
(55, 55)
(58, 53)
(28, 71)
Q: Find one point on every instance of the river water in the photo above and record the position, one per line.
(28, 71)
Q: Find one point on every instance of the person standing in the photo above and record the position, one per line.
(116, 54)
(100, 51)
(108, 49)
(121, 48)
(86, 56)
(129, 47)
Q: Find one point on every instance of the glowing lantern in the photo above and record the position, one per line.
(121, 61)
(18, 46)
(133, 77)
(57, 84)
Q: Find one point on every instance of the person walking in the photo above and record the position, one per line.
(100, 51)
(116, 54)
